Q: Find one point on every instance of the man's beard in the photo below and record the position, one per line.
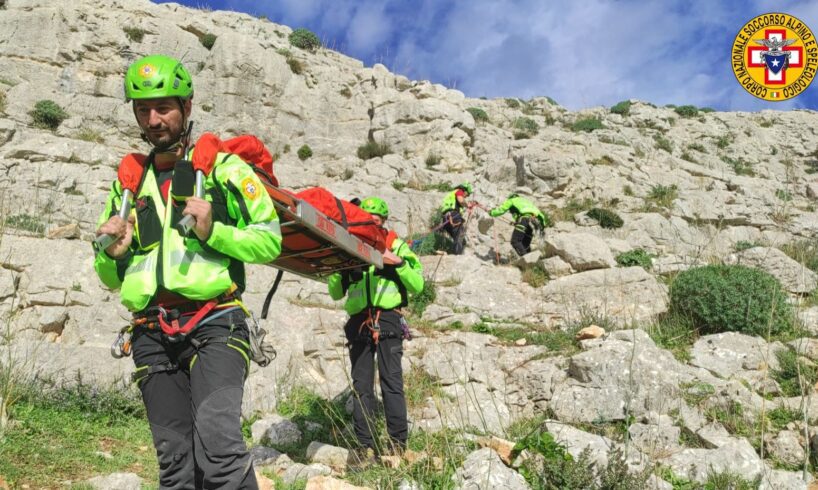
(165, 144)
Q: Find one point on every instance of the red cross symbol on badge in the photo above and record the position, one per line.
(754, 59)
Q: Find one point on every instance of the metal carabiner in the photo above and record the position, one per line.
(122, 345)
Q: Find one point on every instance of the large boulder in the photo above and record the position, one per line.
(582, 251)
(483, 470)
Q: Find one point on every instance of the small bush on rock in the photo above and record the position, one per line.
(623, 108)
(304, 39)
(47, 114)
(588, 124)
(731, 298)
(606, 218)
(687, 111)
(478, 114)
(208, 40)
(635, 257)
(372, 149)
(304, 152)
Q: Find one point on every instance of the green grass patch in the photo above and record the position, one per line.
(606, 218)
(687, 111)
(674, 333)
(334, 425)
(47, 114)
(634, 257)
(427, 296)
(535, 275)
(478, 114)
(663, 196)
(805, 252)
(795, 375)
(571, 208)
(587, 125)
(60, 434)
(622, 108)
(372, 149)
(433, 160)
(663, 143)
(26, 222)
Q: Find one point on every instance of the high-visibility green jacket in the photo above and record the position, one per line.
(245, 229)
(519, 208)
(385, 289)
(450, 202)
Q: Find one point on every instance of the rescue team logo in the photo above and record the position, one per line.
(147, 70)
(775, 56)
(249, 188)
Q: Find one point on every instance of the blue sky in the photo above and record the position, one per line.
(582, 53)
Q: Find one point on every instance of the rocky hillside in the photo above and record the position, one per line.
(691, 187)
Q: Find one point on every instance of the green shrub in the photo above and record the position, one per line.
(428, 244)
(535, 275)
(742, 245)
(784, 195)
(723, 142)
(623, 108)
(89, 134)
(433, 160)
(557, 468)
(513, 103)
(706, 110)
(687, 111)
(525, 126)
(135, 34)
(663, 195)
(419, 302)
(2, 102)
(372, 149)
(635, 257)
(731, 298)
(47, 114)
(26, 222)
(346, 92)
(663, 143)
(587, 124)
(208, 40)
(304, 39)
(739, 165)
(688, 157)
(304, 152)
(478, 114)
(698, 147)
(606, 218)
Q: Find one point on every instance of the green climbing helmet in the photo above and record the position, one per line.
(157, 76)
(466, 187)
(375, 205)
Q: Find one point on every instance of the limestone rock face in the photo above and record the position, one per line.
(494, 346)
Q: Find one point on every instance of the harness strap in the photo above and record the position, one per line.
(145, 371)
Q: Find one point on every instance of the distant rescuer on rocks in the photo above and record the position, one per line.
(190, 335)
(527, 218)
(454, 223)
(376, 326)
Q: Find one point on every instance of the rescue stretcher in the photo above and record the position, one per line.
(313, 245)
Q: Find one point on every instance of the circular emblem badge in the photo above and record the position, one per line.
(147, 70)
(775, 56)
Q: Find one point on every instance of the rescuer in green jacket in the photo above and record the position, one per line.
(453, 222)
(527, 218)
(375, 326)
(192, 380)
